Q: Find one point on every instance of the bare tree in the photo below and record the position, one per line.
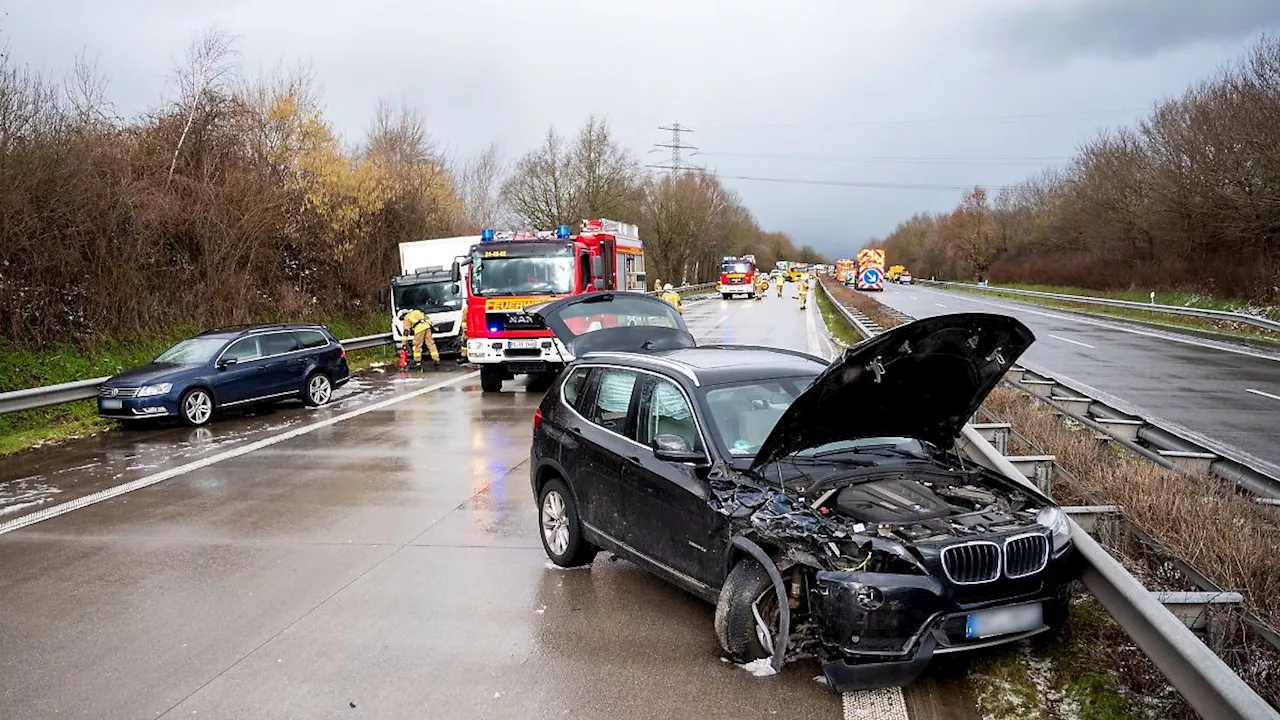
(207, 68)
(480, 185)
(86, 92)
(605, 176)
(540, 190)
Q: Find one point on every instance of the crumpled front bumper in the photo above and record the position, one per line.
(880, 630)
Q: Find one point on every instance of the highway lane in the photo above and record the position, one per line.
(384, 566)
(1215, 390)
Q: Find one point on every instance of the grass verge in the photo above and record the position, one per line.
(24, 368)
(869, 306)
(837, 326)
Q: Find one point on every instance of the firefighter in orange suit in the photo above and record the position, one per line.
(415, 323)
(804, 291)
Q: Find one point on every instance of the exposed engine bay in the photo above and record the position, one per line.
(840, 521)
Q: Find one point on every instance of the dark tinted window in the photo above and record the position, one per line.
(573, 386)
(244, 349)
(665, 411)
(276, 343)
(613, 401)
(311, 338)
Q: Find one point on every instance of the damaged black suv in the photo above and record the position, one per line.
(819, 506)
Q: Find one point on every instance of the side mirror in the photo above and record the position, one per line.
(673, 448)
(457, 288)
(225, 363)
(382, 299)
(456, 269)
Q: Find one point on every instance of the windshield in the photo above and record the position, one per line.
(522, 275)
(735, 267)
(192, 351)
(745, 414)
(427, 296)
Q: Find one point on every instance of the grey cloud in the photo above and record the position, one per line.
(1130, 28)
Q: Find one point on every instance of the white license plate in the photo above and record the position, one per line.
(1004, 621)
(112, 404)
(522, 344)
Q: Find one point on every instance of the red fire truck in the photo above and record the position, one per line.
(508, 272)
(737, 276)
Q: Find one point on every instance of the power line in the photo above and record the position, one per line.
(675, 146)
(861, 184)
(937, 121)
(893, 160)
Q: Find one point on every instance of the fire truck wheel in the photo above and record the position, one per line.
(490, 379)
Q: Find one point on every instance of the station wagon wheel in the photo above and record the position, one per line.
(319, 389)
(560, 528)
(197, 407)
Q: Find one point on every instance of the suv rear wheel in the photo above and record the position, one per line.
(561, 530)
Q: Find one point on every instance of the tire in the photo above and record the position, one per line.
(490, 379)
(737, 630)
(317, 390)
(560, 528)
(196, 407)
(726, 296)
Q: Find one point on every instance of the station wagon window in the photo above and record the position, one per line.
(311, 339)
(243, 349)
(573, 386)
(665, 411)
(613, 400)
(278, 343)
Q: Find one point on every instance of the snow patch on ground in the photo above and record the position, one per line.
(762, 667)
(552, 566)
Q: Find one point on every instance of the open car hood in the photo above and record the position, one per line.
(923, 380)
(614, 321)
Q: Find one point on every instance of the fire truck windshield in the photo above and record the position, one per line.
(736, 267)
(427, 296)
(528, 275)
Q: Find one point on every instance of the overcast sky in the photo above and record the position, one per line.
(897, 92)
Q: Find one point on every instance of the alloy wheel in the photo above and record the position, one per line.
(555, 523)
(198, 407)
(319, 390)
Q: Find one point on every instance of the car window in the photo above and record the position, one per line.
(573, 386)
(665, 411)
(613, 401)
(311, 338)
(243, 349)
(745, 414)
(277, 343)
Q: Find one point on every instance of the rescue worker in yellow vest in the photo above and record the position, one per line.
(657, 286)
(672, 297)
(804, 291)
(417, 325)
(762, 285)
(782, 279)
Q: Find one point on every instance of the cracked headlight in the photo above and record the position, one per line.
(150, 390)
(1059, 529)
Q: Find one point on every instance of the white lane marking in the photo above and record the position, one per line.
(66, 507)
(811, 329)
(1263, 394)
(1135, 331)
(886, 704)
(1073, 342)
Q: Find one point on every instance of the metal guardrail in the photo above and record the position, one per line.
(47, 395)
(1261, 322)
(1207, 683)
(38, 397)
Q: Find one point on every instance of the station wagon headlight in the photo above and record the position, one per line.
(1059, 529)
(150, 390)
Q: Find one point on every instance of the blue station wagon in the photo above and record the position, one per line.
(227, 368)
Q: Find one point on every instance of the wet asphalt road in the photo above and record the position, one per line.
(1200, 385)
(384, 566)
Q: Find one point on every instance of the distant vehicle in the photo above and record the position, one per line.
(739, 474)
(845, 271)
(229, 367)
(904, 278)
(427, 283)
(737, 276)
